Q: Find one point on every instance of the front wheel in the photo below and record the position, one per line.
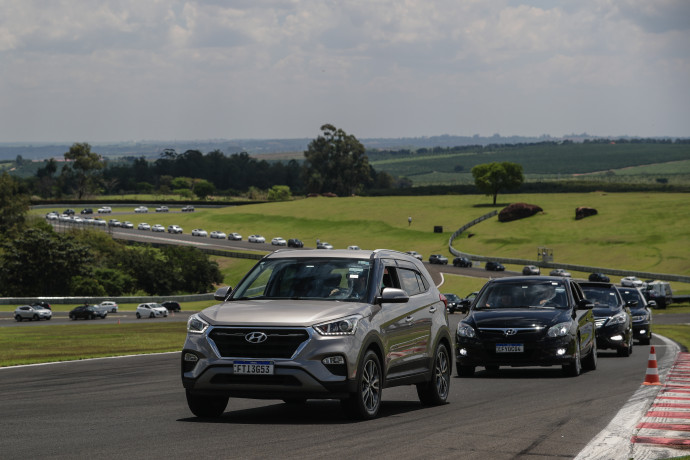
(575, 367)
(138, 315)
(366, 401)
(590, 362)
(206, 406)
(18, 318)
(435, 391)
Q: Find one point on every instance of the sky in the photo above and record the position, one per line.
(134, 70)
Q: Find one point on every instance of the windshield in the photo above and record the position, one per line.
(523, 294)
(602, 297)
(632, 295)
(313, 278)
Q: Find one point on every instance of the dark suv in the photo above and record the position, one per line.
(334, 324)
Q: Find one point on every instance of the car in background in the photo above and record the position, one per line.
(461, 262)
(100, 222)
(641, 313)
(104, 210)
(600, 277)
(127, 224)
(612, 317)
(174, 229)
(527, 321)
(114, 223)
(158, 228)
(171, 305)
(68, 212)
(234, 236)
(109, 306)
(32, 313)
(531, 270)
(318, 306)
(151, 310)
(560, 272)
(143, 226)
(256, 239)
(415, 254)
(660, 292)
(162, 209)
(199, 232)
(354, 247)
(278, 241)
(633, 281)
(454, 303)
(295, 243)
(86, 211)
(324, 245)
(218, 235)
(188, 208)
(86, 312)
(141, 209)
(43, 304)
(52, 215)
(494, 266)
(438, 259)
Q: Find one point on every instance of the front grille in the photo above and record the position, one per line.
(280, 343)
(519, 334)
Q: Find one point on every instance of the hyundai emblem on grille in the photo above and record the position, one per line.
(510, 332)
(255, 337)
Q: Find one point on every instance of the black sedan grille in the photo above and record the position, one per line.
(510, 334)
(279, 343)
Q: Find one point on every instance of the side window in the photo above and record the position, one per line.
(389, 278)
(410, 281)
(423, 282)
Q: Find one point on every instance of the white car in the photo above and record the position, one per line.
(199, 232)
(151, 310)
(633, 281)
(141, 209)
(105, 210)
(162, 209)
(256, 239)
(217, 234)
(109, 306)
(32, 312)
(235, 237)
(100, 222)
(52, 215)
(143, 226)
(324, 245)
(174, 229)
(158, 228)
(127, 224)
(278, 241)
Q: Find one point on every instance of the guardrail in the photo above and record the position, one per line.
(573, 267)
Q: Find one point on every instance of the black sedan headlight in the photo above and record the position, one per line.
(558, 330)
(465, 330)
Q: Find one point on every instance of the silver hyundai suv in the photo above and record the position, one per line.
(320, 324)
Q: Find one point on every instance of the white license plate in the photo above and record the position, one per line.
(253, 367)
(509, 348)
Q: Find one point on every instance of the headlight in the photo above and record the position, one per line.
(641, 317)
(196, 325)
(344, 326)
(559, 330)
(619, 318)
(465, 330)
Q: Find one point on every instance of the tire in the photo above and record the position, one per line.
(18, 318)
(138, 315)
(589, 363)
(364, 404)
(152, 315)
(646, 339)
(435, 391)
(206, 406)
(92, 317)
(35, 318)
(626, 351)
(465, 371)
(72, 317)
(575, 367)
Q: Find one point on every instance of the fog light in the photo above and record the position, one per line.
(642, 331)
(560, 351)
(191, 357)
(617, 337)
(463, 352)
(333, 360)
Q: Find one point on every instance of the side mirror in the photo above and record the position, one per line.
(585, 304)
(631, 303)
(651, 304)
(392, 295)
(222, 293)
(465, 305)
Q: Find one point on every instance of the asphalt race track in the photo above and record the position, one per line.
(134, 407)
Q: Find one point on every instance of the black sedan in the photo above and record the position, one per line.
(85, 312)
(641, 313)
(527, 321)
(171, 305)
(494, 266)
(462, 262)
(454, 303)
(612, 316)
(295, 243)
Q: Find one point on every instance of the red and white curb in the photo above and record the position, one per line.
(666, 425)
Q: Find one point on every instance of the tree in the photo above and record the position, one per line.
(13, 205)
(87, 166)
(279, 193)
(203, 188)
(335, 162)
(491, 178)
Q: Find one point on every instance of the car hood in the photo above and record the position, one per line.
(521, 317)
(281, 312)
(604, 312)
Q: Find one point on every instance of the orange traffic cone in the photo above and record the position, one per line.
(652, 375)
(118, 321)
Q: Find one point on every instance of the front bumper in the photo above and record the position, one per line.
(612, 337)
(545, 352)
